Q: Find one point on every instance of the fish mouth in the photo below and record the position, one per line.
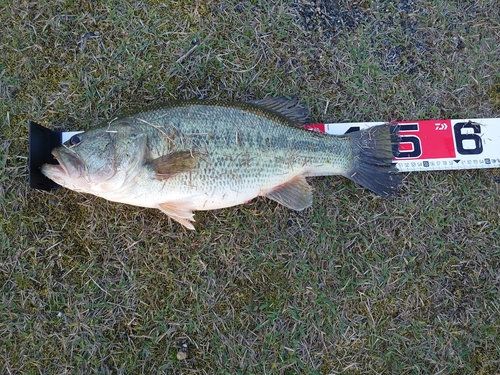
(69, 165)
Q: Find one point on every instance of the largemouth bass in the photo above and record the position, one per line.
(193, 155)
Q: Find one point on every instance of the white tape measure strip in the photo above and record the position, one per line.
(428, 145)
(67, 135)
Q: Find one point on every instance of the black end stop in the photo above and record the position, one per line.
(41, 142)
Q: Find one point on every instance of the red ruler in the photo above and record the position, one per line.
(429, 145)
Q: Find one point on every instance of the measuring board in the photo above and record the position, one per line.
(426, 145)
(431, 145)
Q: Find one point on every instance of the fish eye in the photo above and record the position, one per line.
(74, 140)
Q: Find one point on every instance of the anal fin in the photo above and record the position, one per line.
(295, 194)
(182, 212)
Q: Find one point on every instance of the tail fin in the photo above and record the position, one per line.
(372, 166)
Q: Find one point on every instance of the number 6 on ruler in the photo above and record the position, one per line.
(468, 138)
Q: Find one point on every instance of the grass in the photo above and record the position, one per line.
(353, 285)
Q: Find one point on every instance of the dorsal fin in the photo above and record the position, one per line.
(287, 107)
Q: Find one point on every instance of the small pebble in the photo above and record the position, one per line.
(183, 353)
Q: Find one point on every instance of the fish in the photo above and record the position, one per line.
(193, 155)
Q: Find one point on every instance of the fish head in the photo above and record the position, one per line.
(99, 161)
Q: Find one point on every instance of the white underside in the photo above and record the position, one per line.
(198, 201)
(158, 193)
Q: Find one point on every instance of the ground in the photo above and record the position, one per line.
(356, 284)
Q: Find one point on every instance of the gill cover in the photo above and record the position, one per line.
(100, 160)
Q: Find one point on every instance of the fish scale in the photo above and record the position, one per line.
(200, 155)
(215, 130)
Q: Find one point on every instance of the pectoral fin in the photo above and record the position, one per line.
(182, 212)
(174, 163)
(295, 194)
